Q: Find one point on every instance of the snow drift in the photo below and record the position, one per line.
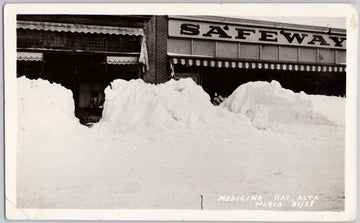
(47, 129)
(267, 103)
(172, 133)
(331, 107)
(45, 104)
(135, 104)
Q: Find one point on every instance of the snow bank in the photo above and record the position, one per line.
(330, 106)
(45, 109)
(62, 164)
(267, 103)
(135, 104)
(43, 103)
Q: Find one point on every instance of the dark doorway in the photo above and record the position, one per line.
(87, 76)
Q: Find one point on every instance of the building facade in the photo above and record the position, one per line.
(222, 53)
(85, 53)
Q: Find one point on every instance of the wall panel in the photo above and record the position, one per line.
(269, 52)
(249, 51)
(204, 48)
(181, 46)
(307, 55)
(227, 50)
(340, 56)
(288, 53)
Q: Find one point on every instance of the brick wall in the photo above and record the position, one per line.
(161, 74)
(156, 41)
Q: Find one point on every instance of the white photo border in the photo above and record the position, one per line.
(231, 9)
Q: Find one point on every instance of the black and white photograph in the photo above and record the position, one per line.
(180, 111)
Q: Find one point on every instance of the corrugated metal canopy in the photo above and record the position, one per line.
(122, 60)
(79, 28)
(30, 56)
(204, 62)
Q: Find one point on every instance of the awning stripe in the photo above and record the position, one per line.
(79, 28)
(29, 56)
(122, 60)
(257, 65)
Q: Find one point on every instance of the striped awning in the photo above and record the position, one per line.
(29, 56)
(79, 28)
(257, 65)
(122, 60)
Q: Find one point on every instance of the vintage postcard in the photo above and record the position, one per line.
(210, 112)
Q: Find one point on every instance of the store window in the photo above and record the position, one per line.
(30, 69)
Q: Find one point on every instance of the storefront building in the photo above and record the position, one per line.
(84, 53)
(222, 53)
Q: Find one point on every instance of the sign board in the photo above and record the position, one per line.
(250, 34)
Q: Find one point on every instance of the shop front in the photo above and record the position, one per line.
(222, 53)
(82, 53)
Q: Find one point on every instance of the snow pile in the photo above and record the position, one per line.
(268, 103)
(46, 115)
(331, 107)
(135, 104)
(43, 103)
(63, 164)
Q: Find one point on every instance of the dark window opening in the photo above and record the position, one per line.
(30, 69)
(86, 75)
(216, 81)
(221, 82)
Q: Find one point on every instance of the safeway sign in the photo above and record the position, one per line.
(250, 34)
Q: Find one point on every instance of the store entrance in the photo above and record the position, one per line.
(87, 76)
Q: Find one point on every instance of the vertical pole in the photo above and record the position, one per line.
(201, 202)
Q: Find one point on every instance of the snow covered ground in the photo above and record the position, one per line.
(163, 146)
